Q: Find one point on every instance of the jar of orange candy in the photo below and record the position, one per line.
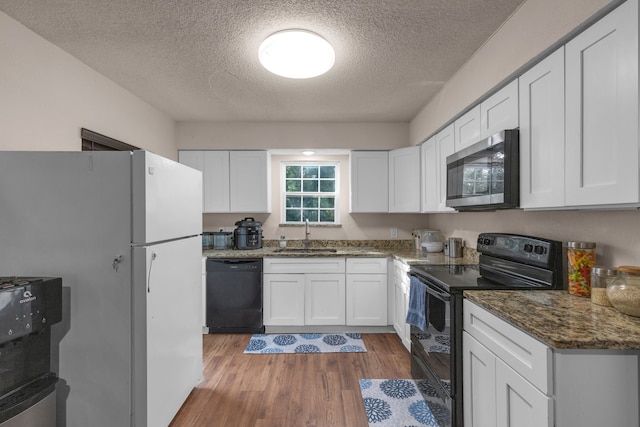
(581, 257)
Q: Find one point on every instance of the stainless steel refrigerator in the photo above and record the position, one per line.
(122, 230)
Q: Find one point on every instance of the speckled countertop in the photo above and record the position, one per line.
(562, 320)
(399, 249)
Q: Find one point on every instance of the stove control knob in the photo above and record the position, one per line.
(528, 248)
(539, 249)
(486, 241)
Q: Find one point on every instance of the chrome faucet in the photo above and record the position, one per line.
(306, 233)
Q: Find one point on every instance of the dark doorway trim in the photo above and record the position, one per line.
(93, 141)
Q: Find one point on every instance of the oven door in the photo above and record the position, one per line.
(431, 356)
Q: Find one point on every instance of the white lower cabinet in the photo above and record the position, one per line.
(325, 291)
(401, 302)
(324, 299)
(366, 291)
(512, 379)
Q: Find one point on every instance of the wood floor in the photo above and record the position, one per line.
(287, 390)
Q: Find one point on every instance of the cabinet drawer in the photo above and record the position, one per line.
(526, 355)
(304, 265)
(366, 265)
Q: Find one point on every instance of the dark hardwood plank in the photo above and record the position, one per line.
(287, 390)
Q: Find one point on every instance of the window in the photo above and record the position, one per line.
(93, 141)
(310, 192)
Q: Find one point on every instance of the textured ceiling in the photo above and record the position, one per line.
(197, 59)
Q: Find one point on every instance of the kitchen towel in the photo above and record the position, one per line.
(418, 300)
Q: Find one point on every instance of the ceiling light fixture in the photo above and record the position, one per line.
(296, 54)
(308, 153)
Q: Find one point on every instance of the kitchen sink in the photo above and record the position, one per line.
(306, 250)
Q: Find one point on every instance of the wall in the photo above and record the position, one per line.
(530, 31)
(254, 135)
(47, 96)
(352, 226)
(533, 28)
(371, 136)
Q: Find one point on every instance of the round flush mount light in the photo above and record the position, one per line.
(296, 54)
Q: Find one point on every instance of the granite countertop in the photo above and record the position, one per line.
(561, 320)
(397, 249)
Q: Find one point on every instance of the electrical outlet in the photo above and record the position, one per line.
(394, 233)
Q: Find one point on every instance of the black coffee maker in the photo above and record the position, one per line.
(248, 234)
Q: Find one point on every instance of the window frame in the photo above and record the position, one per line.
(283, 192)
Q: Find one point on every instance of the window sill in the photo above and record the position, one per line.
(311, 225)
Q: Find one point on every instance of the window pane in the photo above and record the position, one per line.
(327, 216)
(294, 202)
(327, 202)
(293, 185)
(293, 215)
(310, 171)
(310, 202)
(294, 172)
(327, 171)
(311, 215)
(310, 186)
(327, 186)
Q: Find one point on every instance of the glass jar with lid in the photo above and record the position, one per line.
(581, 257)
(624, 291)
(600, 278)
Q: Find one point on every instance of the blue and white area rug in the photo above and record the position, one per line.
(305, 343)
(399, 402)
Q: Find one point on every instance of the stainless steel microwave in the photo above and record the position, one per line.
(485, 175)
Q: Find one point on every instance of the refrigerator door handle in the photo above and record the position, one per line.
(153, 257)
(116, 262)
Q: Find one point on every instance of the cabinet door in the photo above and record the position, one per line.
(518, 402)
(542, 157)
(479, 383)
(445, 147)
(283, 302)
(399, 310)
(430, 175)
(250, 181)
(366, 299)
(216, 181)
(404, 180)
(602, 111)
(369, 181)
(324, 299)
(499, 111)
(467, 129)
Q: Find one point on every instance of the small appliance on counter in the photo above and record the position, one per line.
(222, 240)
(248, 234)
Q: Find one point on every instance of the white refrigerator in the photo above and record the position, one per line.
(122, 230)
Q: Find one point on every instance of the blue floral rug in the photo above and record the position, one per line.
(396, 403)
(305, 343)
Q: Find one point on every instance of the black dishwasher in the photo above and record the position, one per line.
(234, 295)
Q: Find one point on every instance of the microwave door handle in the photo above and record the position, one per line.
(440, 295)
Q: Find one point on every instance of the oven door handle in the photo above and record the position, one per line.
(440, 295)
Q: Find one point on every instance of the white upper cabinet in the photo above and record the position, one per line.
(467, 129)
(369, 188)
(445, 147)
(430, 175)
(542, 159)
(500, 111)
(250, 181)
(233, 181)
(602, 111)
(404, 179)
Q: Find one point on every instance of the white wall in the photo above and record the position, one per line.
(47, 96)
(533, 28)
(258, 135)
